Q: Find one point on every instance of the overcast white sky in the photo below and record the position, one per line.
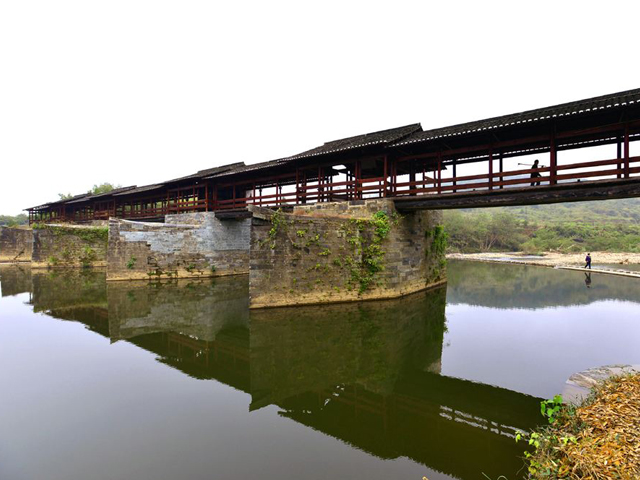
(135, 92)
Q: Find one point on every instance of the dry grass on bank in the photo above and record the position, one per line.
(599, 440)
(551, 259)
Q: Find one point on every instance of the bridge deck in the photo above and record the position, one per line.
(564, 192)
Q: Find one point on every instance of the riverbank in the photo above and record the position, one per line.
(597, 440)
(611, 260)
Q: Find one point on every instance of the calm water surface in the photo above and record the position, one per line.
(167, 381)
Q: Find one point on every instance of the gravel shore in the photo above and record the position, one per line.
(552, 259)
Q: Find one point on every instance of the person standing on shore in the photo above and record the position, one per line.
(588, 260)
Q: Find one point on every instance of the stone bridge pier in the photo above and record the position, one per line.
(344, 251)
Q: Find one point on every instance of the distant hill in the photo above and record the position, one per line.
(626, 211)
(610, 225)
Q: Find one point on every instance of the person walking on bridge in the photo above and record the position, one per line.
(588, 260)
(535, 174)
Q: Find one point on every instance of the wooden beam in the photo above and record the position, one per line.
(574, 192)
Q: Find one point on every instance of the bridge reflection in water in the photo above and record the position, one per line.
(367, 374)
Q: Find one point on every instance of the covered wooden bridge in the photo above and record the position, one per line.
(481, 163)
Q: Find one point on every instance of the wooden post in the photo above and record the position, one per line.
(412, 178)
(206, 197)
(626, 151)
(619, 157)
(384, 193)
(455, 174)
(490, 169)
(501, 171)
(304, 186)
(439, 173)
(553, 161)
(393, 177)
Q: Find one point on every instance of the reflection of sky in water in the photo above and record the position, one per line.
(535, 351)
(529, 328)
(632, 267)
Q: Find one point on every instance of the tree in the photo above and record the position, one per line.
(12, 221)
(103, 188)
(96, 190)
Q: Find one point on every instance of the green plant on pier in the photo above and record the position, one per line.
(366, 237)
(88, 256)
(437, 248)
(131, 262)
(278, 222)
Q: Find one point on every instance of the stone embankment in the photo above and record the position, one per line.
(16, 244)
(55, 246)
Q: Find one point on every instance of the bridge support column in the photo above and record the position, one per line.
(347, 251)
(186, 245)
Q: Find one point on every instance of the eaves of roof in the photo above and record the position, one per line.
(579, 107)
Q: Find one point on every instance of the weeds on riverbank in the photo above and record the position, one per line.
(600, 440)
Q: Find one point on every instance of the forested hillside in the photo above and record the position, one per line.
(10, 221)
(612, 225)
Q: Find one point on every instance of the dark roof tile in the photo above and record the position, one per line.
(144, 188)
(374, 138)
(115, 191)
(208, 172)
(572, 108)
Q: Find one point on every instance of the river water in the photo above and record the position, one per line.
(180, 381)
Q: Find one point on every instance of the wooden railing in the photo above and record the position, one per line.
(521, 178)
(381, 187)
(290, 193)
